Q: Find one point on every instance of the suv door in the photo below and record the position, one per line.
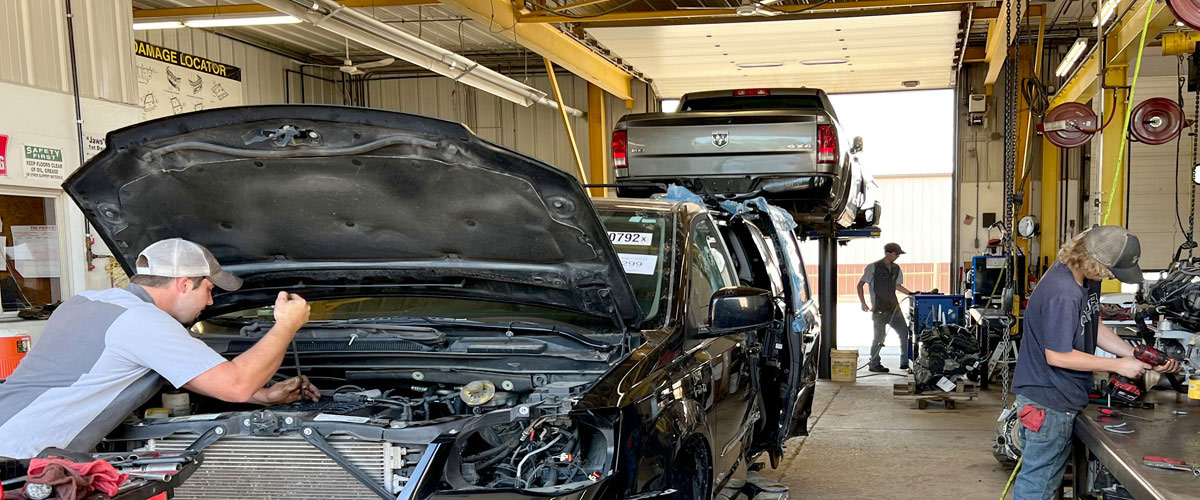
(789, 366)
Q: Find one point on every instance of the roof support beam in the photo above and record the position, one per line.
(501, 18)
(254, 8)
(685, 13)
(1123, 40)
(997, 42)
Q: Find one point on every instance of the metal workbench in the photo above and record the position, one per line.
(1168, 436)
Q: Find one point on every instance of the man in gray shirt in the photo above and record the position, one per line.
(105, 353)
(885, 278)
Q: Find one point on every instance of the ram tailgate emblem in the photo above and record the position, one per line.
(720, 139)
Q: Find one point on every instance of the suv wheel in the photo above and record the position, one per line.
(691, 477)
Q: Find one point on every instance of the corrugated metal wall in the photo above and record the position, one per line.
(536, 130)
(262, 71)
(36, 51)
(1154, 182)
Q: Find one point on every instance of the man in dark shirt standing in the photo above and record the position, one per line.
(1056, 361)
(885, 279)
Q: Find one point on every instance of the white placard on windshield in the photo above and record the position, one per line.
(630, 239)
(638, 264)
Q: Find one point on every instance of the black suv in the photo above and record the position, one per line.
(480, 326)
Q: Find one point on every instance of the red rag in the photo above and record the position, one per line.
(105, 477)
(1032, 417)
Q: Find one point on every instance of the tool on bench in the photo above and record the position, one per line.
(1113, 412)
(1170, 464)
(1118, 429)
(1126, 390)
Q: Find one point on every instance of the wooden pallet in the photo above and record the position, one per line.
(963, 391)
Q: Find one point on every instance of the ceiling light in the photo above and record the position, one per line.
(910, 83)
(1106, 12)
(1180, 24)
(823, 62)
(221, 22)
(385, 38)
(760, 65)
(157, 25)
(1071, 58)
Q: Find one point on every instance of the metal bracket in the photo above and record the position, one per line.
(209, 437)
(318, 441)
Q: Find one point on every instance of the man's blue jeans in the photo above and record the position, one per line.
(1044, 454)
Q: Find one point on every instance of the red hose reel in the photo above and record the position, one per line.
(1186, 11)
(1069, 125)
(1154, 121)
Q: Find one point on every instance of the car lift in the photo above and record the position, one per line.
(827, 292)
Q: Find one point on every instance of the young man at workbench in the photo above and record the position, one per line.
(1056, 360)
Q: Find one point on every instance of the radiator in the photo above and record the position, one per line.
(288, 468)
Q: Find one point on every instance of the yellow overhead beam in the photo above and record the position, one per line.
(254, 8)
(533, 18)
(1122, 47)
(500, 16)
(997, 42)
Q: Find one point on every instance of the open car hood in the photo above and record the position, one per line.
(325, 200)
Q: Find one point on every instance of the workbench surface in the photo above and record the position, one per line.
(1172, 436)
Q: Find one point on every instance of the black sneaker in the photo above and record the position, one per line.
(878, 369)
(903, 367)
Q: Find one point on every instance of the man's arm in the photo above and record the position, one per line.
(903, 290)
(1111, 342)
(241, 379)
(863, 281)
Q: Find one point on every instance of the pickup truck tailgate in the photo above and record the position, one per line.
(736, 143)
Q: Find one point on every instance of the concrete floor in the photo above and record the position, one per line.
(865, 444)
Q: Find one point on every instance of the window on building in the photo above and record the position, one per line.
(28, 230)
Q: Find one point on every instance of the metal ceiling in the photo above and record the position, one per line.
(851, 54)
(308, 43)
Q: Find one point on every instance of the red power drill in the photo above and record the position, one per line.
(1127, 391)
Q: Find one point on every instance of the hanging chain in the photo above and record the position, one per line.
(1010, 172)
(1192, 211)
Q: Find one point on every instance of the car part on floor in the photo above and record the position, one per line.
(947, 352)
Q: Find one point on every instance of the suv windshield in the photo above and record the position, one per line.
(645, 247)
(753, 103)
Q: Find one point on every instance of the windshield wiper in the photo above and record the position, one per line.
(510, 326)
(421, 334)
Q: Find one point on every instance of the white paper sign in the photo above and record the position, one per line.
(993, 263)
(630, 239)
(43, 162)
(946, 384)
(35, 251)
(92, 145)
(638, 264)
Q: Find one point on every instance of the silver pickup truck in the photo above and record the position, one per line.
(784, 144)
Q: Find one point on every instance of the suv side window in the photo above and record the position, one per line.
(710, 269)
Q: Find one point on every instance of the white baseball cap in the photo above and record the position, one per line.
(180, 258)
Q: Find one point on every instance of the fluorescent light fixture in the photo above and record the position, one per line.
(222, 22)
(669, 105)
(760, 65)
(823, 62)
(1071, 58)
(1106, 12)
(157, 25)
(385, 38)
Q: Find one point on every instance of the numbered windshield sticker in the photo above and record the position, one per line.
(630, 239)
(638, 264)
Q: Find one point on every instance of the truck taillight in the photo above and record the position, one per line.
(619, 149)
(827, 144)
(751, 92)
